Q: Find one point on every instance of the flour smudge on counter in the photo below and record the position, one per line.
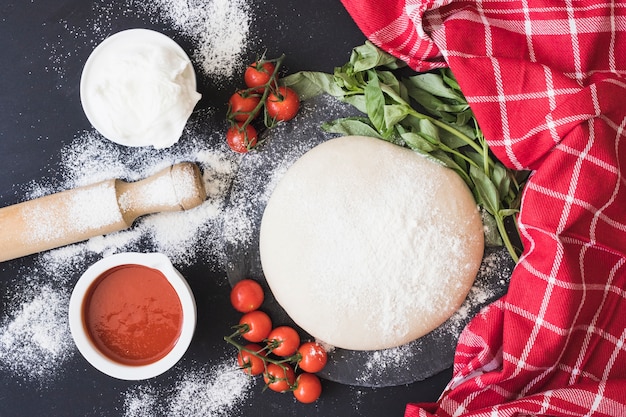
(210, 392)
(35, 338)
(219, 31)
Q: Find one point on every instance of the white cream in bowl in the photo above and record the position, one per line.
(138, 88)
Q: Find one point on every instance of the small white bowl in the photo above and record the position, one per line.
(84, 342)
(118, 83)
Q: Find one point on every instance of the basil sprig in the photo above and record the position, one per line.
(426, 112)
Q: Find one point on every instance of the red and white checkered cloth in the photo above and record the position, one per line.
(547, 82)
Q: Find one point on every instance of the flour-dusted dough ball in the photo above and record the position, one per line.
(368, 245)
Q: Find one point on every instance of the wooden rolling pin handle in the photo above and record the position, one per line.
(109, 206)
(176, 188)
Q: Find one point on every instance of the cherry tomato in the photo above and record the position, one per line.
(283, 341)
(308, 388)
(242, 105)
(313, 357)
(283, 104)
(279, 378)
(258, 74)
(251, 364)
(246, 295)
(241, 140)
(255, 326)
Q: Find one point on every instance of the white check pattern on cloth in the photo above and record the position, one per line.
(546, 82)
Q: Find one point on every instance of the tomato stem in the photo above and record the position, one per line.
(231, 339)
(269, 87)
(294, 359)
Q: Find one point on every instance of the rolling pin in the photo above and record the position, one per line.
(109, 206)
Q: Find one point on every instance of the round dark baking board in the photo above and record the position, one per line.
(258, 173)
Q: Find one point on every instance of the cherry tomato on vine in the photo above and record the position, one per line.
(308, 388)
(242, 105)
(313, 357)
(250, 363)
(279, 378)
(241, 140)
(282, 104)
(246, 295)
(255, 326)
(283, 341)
(258, 74)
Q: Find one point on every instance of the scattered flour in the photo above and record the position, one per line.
(218, 29)
(206, 392)
(35, 338)
(381, 361)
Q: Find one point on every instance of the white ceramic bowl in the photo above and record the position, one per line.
(84, 342)
(118, 82)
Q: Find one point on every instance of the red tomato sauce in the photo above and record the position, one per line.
(133, 314)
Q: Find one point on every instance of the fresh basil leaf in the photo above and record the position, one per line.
(477, 158)
(426, 100)
(508, 212)
(375, 103)
(423, 146)
(427, 128)
(454, 109)
(435, 85)
(347, 81)
(501, 179)
(394, 96)
(486, 192)
(460, 161)
(390, 80)
(351, 126)
(451, 140)
(358, 101)
(309, 84)
(404, 93)
(394, 114)
(492, 234)
(419, 143)
(465, 117)
(448, 78)
(368, 56)
(455, 114)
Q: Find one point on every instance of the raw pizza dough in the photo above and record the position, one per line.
(368, 245)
